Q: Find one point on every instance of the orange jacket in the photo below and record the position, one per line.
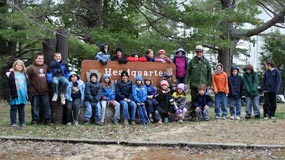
(220, 83)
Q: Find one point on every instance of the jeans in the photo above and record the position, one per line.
(270, 103)
(180, 79)
(151, 105)
(235, 102)
(55, 84)
(220, 99)
(252, 101)
(143, 114)
(21, 112)
(91, 110)
(125, 106)
(202, 113)
(73, 109)
(41, 102)
(102, 111)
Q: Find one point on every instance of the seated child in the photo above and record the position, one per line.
(151, 102)
(180, 101)
(202, 103)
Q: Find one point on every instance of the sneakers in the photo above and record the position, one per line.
(62, 99)
(150, 117)
(115, 121)
(87, 122)
(133, 123)
(126, 122)
(14, 126)
(54, 97)
(76, 123)
(273, 118)
(180, 121)
(69, 124)
(232, 117)
(224, 117)
(34, 123)
(238, 118)
(266, 118)
(217, 117)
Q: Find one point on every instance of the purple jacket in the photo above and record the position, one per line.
(181, 63)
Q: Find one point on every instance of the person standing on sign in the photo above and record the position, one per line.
(198, 72)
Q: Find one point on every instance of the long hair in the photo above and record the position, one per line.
(21, 63)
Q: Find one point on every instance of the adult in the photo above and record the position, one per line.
(180, 62)
(40, 91)
(198, 72)
(149, 55)
(119, 56)
(103, 56)
(124, 96)
(270, 86)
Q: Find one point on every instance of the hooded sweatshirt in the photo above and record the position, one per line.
(271, 81)
(220, 81)
(235, 84)
(139, 91)
(181, 63)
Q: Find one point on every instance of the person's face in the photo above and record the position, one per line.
(107, 80)
(248, 70)
(150, 55)
(268, 67)
(19, 67)
(106, 48)
(180, 53)
(179, 90)
(74, 78)
(162, 56)
(139, 82)
(199, 53)
(136, 57)
(169, 72)
(57, 57)
(235, 72)
(201, 92)
(39, 60)
(119, 53)
(93, 79)
(125, 78)
(164, 87)
(147, 82)
(219, 68)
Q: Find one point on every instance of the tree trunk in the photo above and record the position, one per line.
(94, 13)
(62, 44)
(48, 50)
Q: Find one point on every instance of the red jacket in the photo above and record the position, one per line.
(220, 82)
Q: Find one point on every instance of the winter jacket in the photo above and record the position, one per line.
(220, 81)
(250, 83)
(69, 90)
(180, 99)
(37, 73)
(158, 59)
(9, 86)
(139, 93)
(93, 91)
(124, 90)
(148, 59)
(271, 81)
(108, 90)
(103, 56)
(166, 103)
(54, 66)
(133, 59)
(181, 63)
(235, 84)
(151, 90)
(121, 60)
(201, 101)
(198, 72)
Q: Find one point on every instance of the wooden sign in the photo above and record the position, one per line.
(153, 70)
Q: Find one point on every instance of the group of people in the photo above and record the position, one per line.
(139, 97)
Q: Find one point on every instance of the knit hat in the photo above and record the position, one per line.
(93, 74)
(164, 82)
(181, 86)
(162, 51)
(199, 48)
(71, 74)
(248, 66)
(124, 73)
(139, 78)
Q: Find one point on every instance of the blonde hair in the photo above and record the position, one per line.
(21, 63)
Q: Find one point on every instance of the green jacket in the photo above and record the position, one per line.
(198, 72)
(250, 84)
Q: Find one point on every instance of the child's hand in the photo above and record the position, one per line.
(206, 107)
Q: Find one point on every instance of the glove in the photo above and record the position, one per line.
(104, 98)
(179, 111)
(111, 103)
(102, 62)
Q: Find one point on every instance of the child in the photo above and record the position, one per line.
(167, 75)
(162, 57)
(221, 90)
(103, 56)
(202, 102)
(119, 56)
(16, 92)
(151, 102)
(108, 97)
(74, 97)
(124, 96)
(135, 58)
(250, 85)
(58, 72)
(235, 87)
(180, 101)
(140, 94)
(180, 61)
(93, 94)
(165, 101)
(149, 55)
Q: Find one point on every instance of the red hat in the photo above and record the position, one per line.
(162, 51)
(164, 82)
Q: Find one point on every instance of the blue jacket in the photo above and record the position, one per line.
(151, 90)
(69, 90)
(235, 84)
(102, 55)
(124, 90)
(139, 93)
(201, 101)
(271, 81)
(93, 91)
(53, 68)
(108, 90)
